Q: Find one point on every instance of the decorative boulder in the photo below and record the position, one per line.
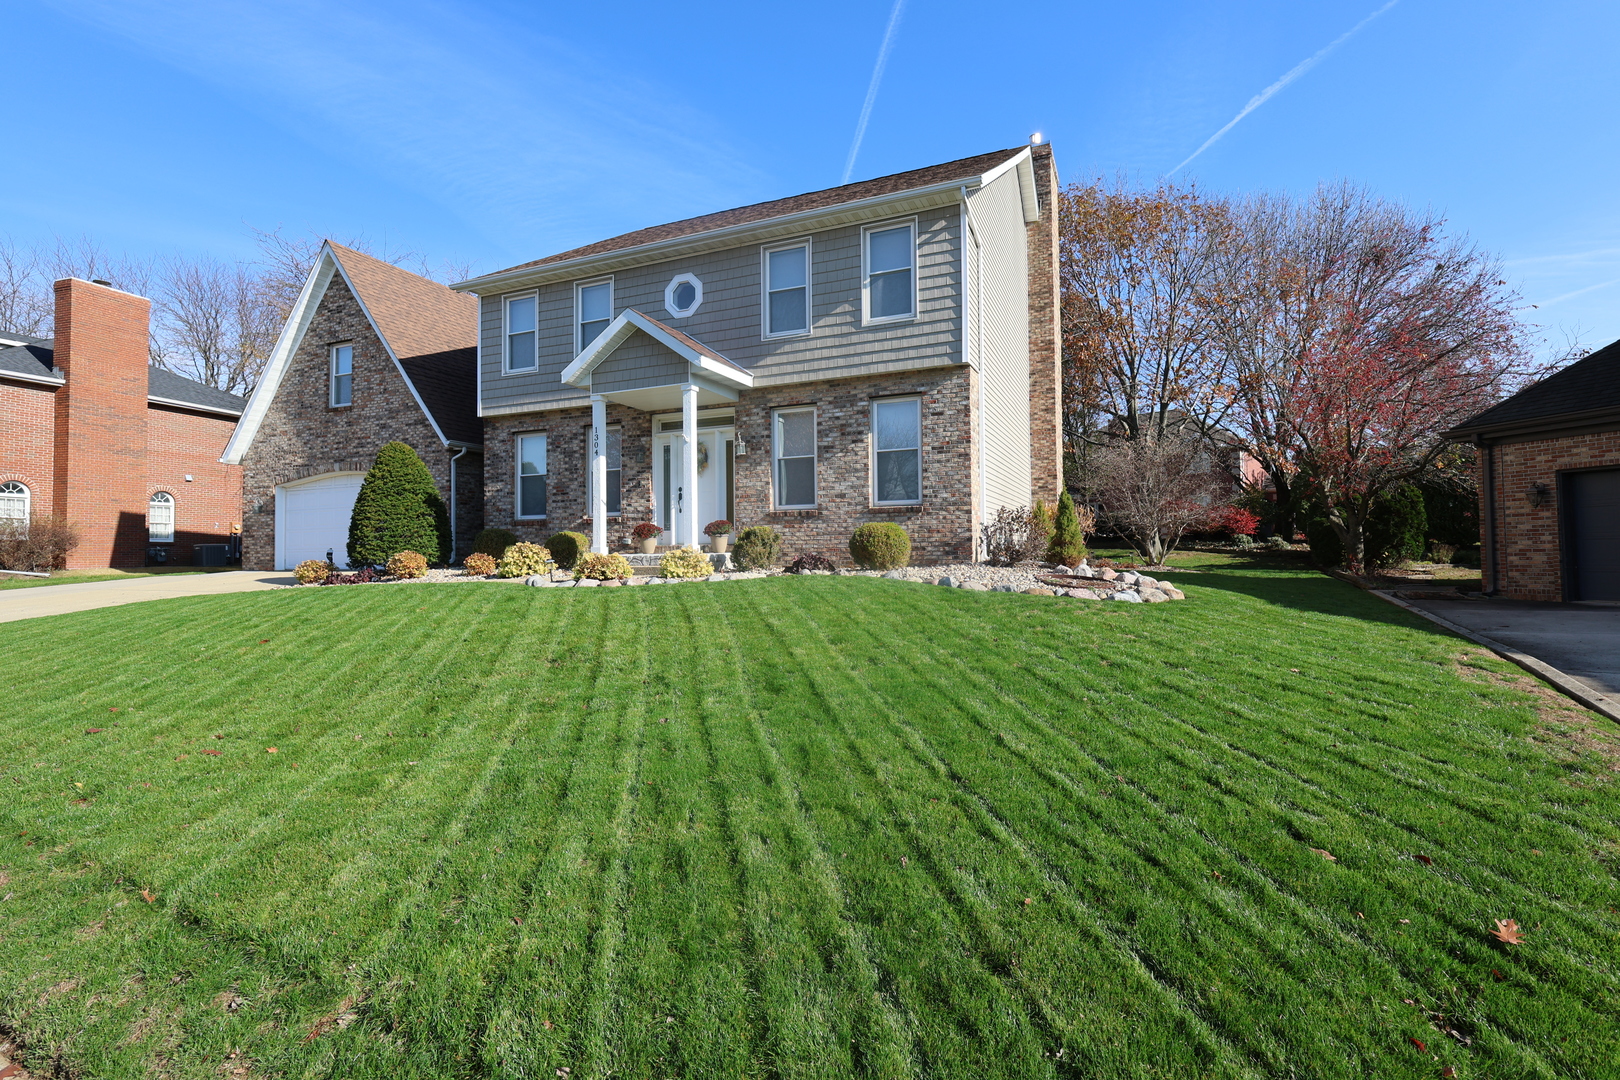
(947, 581)
(1153, 596)
(1108, 574)
(1127, 596)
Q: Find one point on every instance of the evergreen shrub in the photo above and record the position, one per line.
(880, 545)
(602, 566)
(1068, 544)
(567, 547)
(757, 547)
(398, 509)
(522, 560)
(494, 542)
(686, 562)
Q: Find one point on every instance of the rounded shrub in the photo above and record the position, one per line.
(398, 509)
(757, 547)
(567, 547)
(602, 566)
(1326, 547)
(479, 564)
(522, 560)
(407, 564)
(311, 571)
(1068, 544)
(880, 545)
(494, 542)
(1397, 527)
(686, 562)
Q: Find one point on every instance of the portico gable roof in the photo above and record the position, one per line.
(688, 348)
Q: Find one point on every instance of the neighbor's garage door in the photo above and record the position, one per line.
(313, 517)
(1593, 505)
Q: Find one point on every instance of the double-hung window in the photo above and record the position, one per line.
(615, 471)
(897, 452)
(794, 449)
(160, 518)
(521, 332)
(342, 375)
(787, 289)
(890, 280)
(531, 476)
(593, 304)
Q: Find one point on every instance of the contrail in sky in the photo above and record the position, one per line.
(871, 91)
(1265, 95)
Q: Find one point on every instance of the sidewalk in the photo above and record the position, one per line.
(61, 599)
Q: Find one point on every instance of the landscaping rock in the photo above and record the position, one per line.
(1172, 593)
(975, 586)
(1039, 591)
(537, 580)
(586, 582)
(1127, 578)
(1085, 594)
(717, 577)
(1153, 596)
(1145, 582)
(612, 583)
(947, 581)
(1125, 595)
(1107, 574)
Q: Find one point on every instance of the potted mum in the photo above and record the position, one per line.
(646, 535)
(718, 533)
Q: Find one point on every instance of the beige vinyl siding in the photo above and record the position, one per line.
(729, 319)
(1001, 337)
(638, 363)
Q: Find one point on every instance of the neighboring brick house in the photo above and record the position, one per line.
(881, 351)
(91, 433)
(370, 354)
(1549, 478)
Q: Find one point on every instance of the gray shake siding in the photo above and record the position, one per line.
(637, 363)
(729, 319)
(1001, 343)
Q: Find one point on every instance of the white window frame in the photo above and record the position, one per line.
(174, 506)
(590, 474)
(669, 296)
(332, 376)
(517, 475)
(815, 459)
(580, 287)
(27, 496)
(867, 318)
(506, 332)
(765, 251)
(872, 477)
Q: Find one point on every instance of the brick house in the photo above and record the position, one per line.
(90, 432)
(1549, 480)
(881, 351)
(370, 354)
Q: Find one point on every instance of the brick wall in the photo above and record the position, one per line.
(303, 435)
(28, 441)
(1527, 562)
(100, 421)
(181, 444)
(941, 529)
(1045, 350)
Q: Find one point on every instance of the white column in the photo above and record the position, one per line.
(689, 431)
(598, 474)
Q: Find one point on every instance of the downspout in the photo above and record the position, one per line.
(453, 459)
(1493, 586)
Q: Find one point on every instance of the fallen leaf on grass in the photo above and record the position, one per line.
(1028, 901)
(219, 736)
(1407, 1001)
(215, 753)
(1533, 851)
(1324, 854)
(1405, 922)
(549, 1025)
(1497, 975)
(182, 757)
(1508, 931)
(1424, 859)
(1448, 1071)
(94, 730)
(264, 641)
(148, 897)
(270, 750)
(1295, 670)
(1418, 1043)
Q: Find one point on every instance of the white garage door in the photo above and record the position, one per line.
(312, 517)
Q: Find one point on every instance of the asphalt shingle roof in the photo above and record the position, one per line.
(163, 383)
(37, 360)
(1587, 386)
(433, 330)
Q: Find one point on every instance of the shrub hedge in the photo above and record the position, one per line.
(567, 547)
(494, 542)
(479, 564)
(312, 571)
(407, 564)
(1397, 527)
(398, 509)
(522, 559)
(757, 547)
(602, 567)
(880, 545)
(686, 562)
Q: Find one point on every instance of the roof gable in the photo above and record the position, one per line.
(627, 325)
(1590, 385)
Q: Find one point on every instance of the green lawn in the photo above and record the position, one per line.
(819, 827)
(79, 577)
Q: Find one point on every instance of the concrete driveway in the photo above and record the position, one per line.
(61, 599)
(1580, 640)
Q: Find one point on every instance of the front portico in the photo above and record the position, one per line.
(641, 363)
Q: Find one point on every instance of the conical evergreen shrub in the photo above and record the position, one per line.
(398, 509)
(1068, 544)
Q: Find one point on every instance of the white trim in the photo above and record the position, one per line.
(579, 329)
(1024, 162)
(47, 380)
(867, 319)
(596, 479)
(815, 460)
(796, 223)
(478, 361)
(517, 475)
(629, 321)
(292, 336)
(765, 290)
(873, 452)
(669, 296)
(27, 501)
(174, 506)
(332, 375)
(192, 405)
(506, 334)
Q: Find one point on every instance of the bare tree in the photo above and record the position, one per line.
(215, 322)
(25, 301)
(1154, 489)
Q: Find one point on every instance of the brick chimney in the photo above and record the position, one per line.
(101, 348)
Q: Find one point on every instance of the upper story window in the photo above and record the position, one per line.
(342, 375)
(682, 295)
(897, 452)
(787, 289)
(593, 307)
(521, 332)
(531, 476)
(160, 518)
(889, 279)
(14, 501)
(794, 450)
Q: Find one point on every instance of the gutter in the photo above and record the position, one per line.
(23, 376)
(193, 406)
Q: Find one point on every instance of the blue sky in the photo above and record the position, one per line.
(498, 132)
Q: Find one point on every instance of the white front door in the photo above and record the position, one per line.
(312, 517)
(715, 485)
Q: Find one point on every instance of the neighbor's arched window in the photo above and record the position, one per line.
(160, 519)
(14, 501)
